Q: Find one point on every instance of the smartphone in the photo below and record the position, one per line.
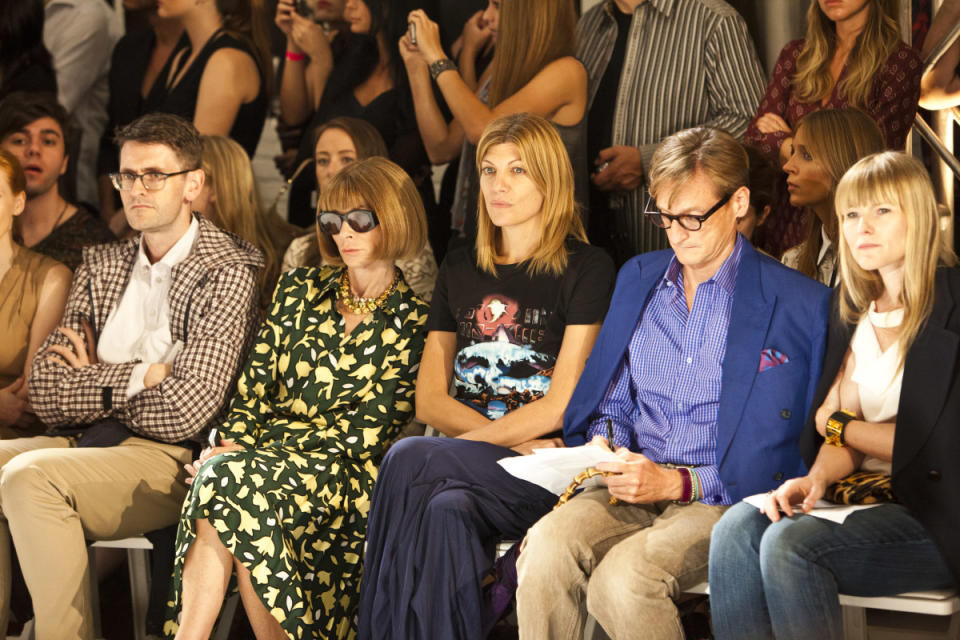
(413, 33)
(305, 8)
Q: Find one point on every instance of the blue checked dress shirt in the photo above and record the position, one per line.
(664, 398)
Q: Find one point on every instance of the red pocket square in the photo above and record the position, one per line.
(771, 358)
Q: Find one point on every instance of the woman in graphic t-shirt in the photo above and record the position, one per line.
(511, 323)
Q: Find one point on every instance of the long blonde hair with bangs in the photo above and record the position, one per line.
(548, 165)
(532, 34)
(236, 206)
(896, 178)
(880, 36)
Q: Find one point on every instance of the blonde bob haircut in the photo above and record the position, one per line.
(894, 178)
(386, 189)
(880, 36)
(547, 164)
(713, 151)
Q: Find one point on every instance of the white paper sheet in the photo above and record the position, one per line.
(554, 469)
(822, 509)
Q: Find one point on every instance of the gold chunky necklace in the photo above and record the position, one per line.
(359, 304)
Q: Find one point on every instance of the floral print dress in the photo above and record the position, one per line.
(315, 410)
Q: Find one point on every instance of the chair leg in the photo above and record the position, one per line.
(226, 618)
(953, 631)
(94, 591)
(138, 561)
(854, 623)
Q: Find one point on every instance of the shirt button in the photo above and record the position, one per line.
(689, 360)
(778, 476)
(785, 414)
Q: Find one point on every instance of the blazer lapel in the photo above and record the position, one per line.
(749, 322)
(631, 295)
(927, 378)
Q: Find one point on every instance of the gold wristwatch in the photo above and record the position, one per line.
(836, 424)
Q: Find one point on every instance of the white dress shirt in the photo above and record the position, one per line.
(138, 328)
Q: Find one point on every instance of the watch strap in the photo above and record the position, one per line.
(441, 65)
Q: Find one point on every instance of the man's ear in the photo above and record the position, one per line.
(740, 200)
(64, 164)
(193, 184)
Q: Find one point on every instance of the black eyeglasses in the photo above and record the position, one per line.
(360, 220)
(152, 180)
(688, 221)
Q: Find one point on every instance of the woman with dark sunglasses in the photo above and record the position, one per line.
(511, 325)
(339, 142)
(283, 499)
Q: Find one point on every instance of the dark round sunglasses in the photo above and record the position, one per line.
(360, 220)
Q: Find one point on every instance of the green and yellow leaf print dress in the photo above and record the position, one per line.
(315, 410)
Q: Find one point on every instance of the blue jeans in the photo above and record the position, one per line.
(782, 580)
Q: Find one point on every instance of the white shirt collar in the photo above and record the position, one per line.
(824, 244)
(177, 253)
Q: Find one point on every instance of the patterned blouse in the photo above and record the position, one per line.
(315, 409)
(892, 104)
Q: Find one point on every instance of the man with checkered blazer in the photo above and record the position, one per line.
(146, 357)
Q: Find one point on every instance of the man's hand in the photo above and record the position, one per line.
(600, 441)
(226, 446)
(639, 480)
(526, 448)
(157, 373)
(12, 402)
(619, 168)
(84, 350)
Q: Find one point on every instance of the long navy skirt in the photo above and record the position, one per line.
(439, 507)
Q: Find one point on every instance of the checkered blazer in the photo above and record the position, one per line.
(213, 311)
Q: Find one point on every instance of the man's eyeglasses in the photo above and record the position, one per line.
(152, 180)
(688, 221)
(360, 220)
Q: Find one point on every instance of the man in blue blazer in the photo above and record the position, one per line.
(702, 376)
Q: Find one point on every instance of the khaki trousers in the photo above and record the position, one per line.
(54, 497)
(625, 564)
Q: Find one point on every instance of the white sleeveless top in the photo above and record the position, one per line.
(876, 374)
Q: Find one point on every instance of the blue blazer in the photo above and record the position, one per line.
(761, 414)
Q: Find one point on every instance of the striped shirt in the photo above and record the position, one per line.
(687, 63)
(664, 398)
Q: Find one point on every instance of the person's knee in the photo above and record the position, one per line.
(412, 448)
(739, 530)
(785, 546)
(451, 504)
(22, 480)
(551, 549)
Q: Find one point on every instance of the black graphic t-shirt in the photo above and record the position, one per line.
(509, 327)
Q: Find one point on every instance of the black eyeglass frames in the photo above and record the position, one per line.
(688, 221)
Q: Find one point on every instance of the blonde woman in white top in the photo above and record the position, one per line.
(889, 403)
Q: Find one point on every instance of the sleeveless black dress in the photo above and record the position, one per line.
(181, 98)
